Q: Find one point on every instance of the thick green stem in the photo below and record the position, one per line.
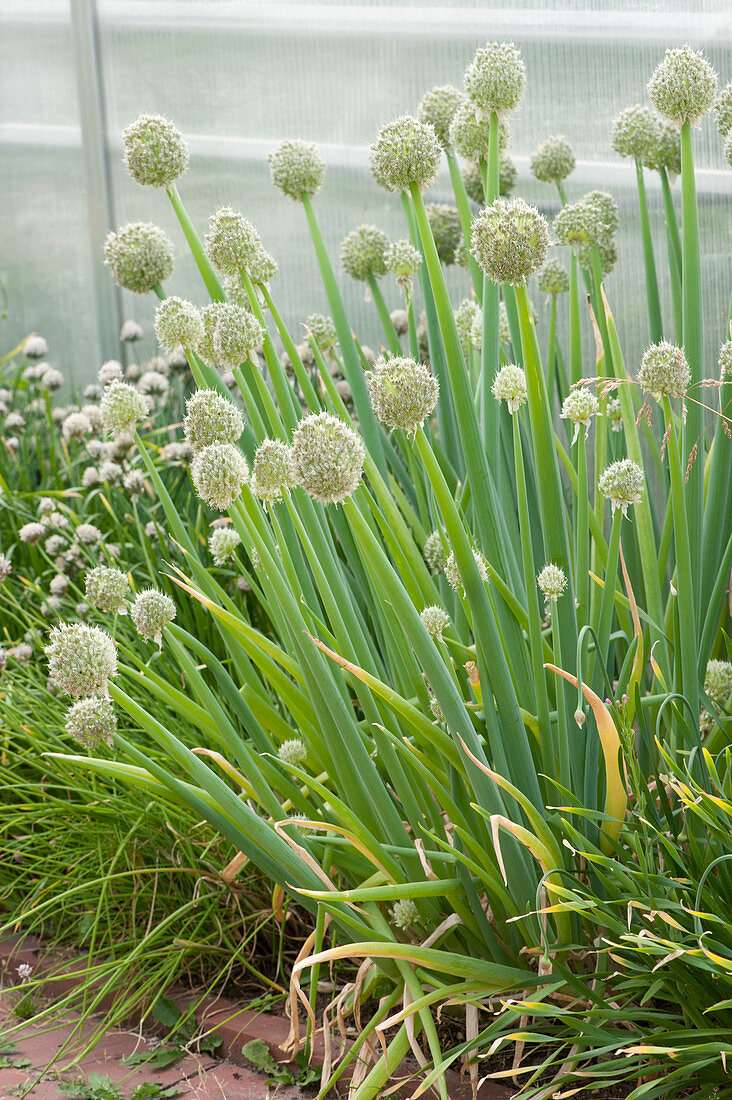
(582, 534)
(654, 302)
(575, 331)
(674, 256)
(392, 336)
(209, 276)
(466, 220)
(551, 371)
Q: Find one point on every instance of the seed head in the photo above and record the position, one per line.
(364, 251)
(121, 408)
(402, 392)
(88, 533)
(273, 470)
(635, 133)
(683, 86)
(445, 225)
(509, 385)
(434, 552)
(510, 241)
(81, 659)
(130, 332)
(435, 619)
(664, 371)
(211, 418)
(297, 168)
(32, 533)
(553, 278)
(107, 589)
(406, 152)
(469, 134)
(92, 721)
(222, 544)
(177, 321)
(495, 79)
(35, 347)
(322, 330)
(155, 153)
(328, 458)
(403, 260)
(452, 573)
(580, 405)
(552, 582)
(622, 483)
(404, 914)
(465, 315)
(294, 751)
(139, 255)
(437, 108)
(219, 472)
(151, 612)
(718, 682)
(553, 161)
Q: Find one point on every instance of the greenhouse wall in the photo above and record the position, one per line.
(238, 77)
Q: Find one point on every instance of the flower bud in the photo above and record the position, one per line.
(552, 582)
(580, 405)
(177, 321)
(510, 241)
(328, 458)
(445, 225)
(402, 392)
(222, 544)
(664, 371)
(406, 152)
(363, 252)
(151, 612)
(92, 721)
(139, 255)
(219, 472)
(495, 79)
(121, 408)
(322, 330)
(81, 659)
(155, 153)
(435, 619)
(553, 161)
(470, 135)
(635, 133)
(107, 589)
(622, 483)
(211, 418)
(452, 573)
(553, 278)
(297, 168)
(509, 385)
(683, 86)
(272, 471)
(404, 914)
(437, 108)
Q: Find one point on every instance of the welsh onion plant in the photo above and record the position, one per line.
(467, 785)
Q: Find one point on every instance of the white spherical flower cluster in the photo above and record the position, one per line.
(14, 421)
(444, 222)
(151, 612)
(553, 161)
(510, 241)
(52, 380)
(404, 914)
(107, 589)
(233, 245)
(635, 133)
(470, 134)
(81, 659)
(92, 721)
(509, 385)
(683, 86)
(130, 332)
(580, 405)
(153, 384)
(273, 470)
(666, 153)
(59, 585)
(222, 544)
(211, 418)
(452, 573)
(34, 346)
(403, 261)
(434, 552)
(664, 371)
(76, 426)
(614, 413)
(121, 408)
(231, 333)
(219, 473)
(435, 619)
(297, 169)
(139, 255)
(328, 458)
(31, 533)
(293, 751)
(553, 278)
(495, 79)
(465, 316)
(592, 220)
(552, 582)
(725, 360)
(723, 110)
(406, 153)
(402, 392)
(88, 533)
(322, 330)
(177, 322)
(622, 484)
(437, 108)
(364, 252)
(156, 154)
(718, 682)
